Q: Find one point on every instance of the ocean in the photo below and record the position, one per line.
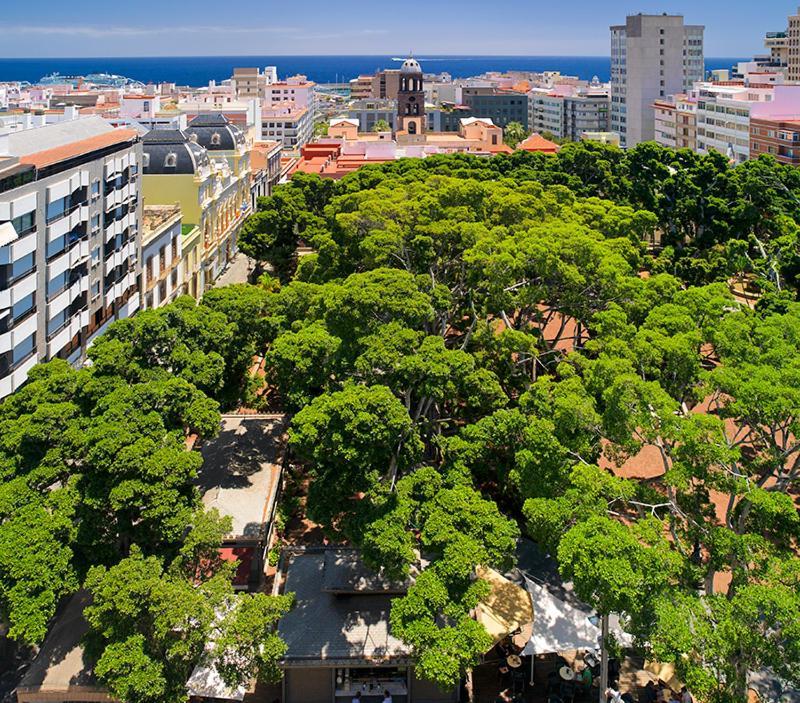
(199, 70)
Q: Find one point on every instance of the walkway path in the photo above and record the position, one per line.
(236, 272)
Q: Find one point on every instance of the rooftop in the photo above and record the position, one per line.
(60, 666)
(241, 471)
(327, 627)
(155, 218)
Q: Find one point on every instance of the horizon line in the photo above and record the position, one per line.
(280, 55)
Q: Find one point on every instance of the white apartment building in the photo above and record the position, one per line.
(724, 112)
(288, 112)
(69, 240)
(162, 272)
(652, 56)
(294, 128)
(568, 111)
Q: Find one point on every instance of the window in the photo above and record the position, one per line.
(171, 161)
(216, 139)
(23, 350)
(24, 223)
(57, 322)
(22, 267)
(95, 289)
(56, 284)
(22, 307)
(56, 247)
(145, 160)
(95, 223)
(95, 190)
(95, 256)
(56, 209)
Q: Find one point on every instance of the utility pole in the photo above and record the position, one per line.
(603, 658)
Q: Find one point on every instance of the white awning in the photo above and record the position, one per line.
(205, 682)
(7, 234)
(561, 627)
(558, 626)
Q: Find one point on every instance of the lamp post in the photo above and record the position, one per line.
(603, 658)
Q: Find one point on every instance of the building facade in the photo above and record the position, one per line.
(162, 277)
(568, 113)
(70, 213)
(652, 56)
(500, 106)
(778, 138)
(793, 49)
(212, 187)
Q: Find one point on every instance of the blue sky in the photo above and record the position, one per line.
(268, 27)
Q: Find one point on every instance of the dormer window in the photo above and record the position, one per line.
(216, 139)
(145, 160)
(171, 161)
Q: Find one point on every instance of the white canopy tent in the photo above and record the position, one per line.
(558, 626)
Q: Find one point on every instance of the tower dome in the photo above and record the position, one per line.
(411, 65)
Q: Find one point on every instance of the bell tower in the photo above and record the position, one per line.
(411, 99)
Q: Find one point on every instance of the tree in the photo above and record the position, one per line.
(514, 133)
(381, 126)
(352, 440)
(149, 627)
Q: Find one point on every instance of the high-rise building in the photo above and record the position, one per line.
(70, 214)
(793, 57)
(652, 56)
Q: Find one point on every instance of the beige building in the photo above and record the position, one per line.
(207, 170)
(794, 47)
(652, 56)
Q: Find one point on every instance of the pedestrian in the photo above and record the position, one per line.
(357, 697)
(387, 697)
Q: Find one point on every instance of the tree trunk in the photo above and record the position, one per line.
(603, 658)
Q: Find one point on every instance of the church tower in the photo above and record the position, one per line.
(411, 99)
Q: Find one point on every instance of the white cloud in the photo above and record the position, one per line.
(121, 31)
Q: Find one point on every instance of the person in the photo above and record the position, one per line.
(613, 696)
(503, 697)
(584, 677)
(387, 697)
(673, 697)
(686, 697)
(357, 697)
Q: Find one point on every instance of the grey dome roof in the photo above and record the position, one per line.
(411, 65)
(215, 133)
(169, 151)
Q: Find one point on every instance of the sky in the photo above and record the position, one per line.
(55, 28)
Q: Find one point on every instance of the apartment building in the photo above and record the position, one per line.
(567, 112)
(777, 43)
(724, 113)
(293, 128)
(776, 137)
(500, 106)
(70, 212)
(793, 50)
(369, 112)
(361, 88)
(676, 122)
(652, 56)
(162, 276)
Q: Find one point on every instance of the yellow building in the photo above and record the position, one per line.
(206, 169)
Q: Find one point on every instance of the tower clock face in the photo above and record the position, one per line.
(412, 99)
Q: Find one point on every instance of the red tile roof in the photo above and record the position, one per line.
(48, 157)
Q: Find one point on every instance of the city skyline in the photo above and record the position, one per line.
(150, 29)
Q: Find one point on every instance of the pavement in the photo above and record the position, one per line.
(237, 271)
